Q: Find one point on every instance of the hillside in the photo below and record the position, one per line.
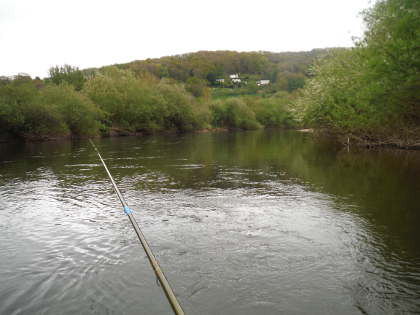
(285, 70)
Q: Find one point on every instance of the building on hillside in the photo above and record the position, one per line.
(220, 80)
(263, 82)
(235, 78)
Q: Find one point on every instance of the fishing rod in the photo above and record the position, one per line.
(176, 307)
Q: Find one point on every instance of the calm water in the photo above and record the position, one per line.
(242, 223)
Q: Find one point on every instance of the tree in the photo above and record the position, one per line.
(392, 47)
(197, 87)
(375, 85)
(295, 81)
(69, 74)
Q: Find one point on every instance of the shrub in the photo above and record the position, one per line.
(272, 111)
(144, 103)
(79, 113)
(22, 114)
(233, 113)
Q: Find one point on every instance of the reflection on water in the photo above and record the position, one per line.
(270, 222)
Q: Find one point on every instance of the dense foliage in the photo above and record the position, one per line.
(286, 71)
(375, 86)
(372, 88)
(139, 98)
(28, 108)
(116, 100)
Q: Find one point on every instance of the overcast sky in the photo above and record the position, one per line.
(35, 35)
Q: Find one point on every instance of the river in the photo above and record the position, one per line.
(264, 222)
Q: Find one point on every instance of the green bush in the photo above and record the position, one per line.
(197, 87)
(29, 110)
(43, 120)
(233, 113)
(272, 111)
(80, 115)
(144, 103)
(179, 104)
(22, 114)
(375, 85)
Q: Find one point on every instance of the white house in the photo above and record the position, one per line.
(235, 78)
(263, 82)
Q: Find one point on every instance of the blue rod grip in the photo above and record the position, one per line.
(127, 210)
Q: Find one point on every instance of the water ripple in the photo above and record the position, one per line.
(232, 237)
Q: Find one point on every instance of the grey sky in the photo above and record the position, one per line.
(35, 35)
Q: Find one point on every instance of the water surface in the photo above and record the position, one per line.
(264, 222)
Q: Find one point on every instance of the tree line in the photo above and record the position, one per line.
(370, 89)
(286, 70)
(71, 103)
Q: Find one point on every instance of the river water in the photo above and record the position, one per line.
(265, 222)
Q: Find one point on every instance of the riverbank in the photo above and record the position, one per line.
(113, 132)
(408, 139)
